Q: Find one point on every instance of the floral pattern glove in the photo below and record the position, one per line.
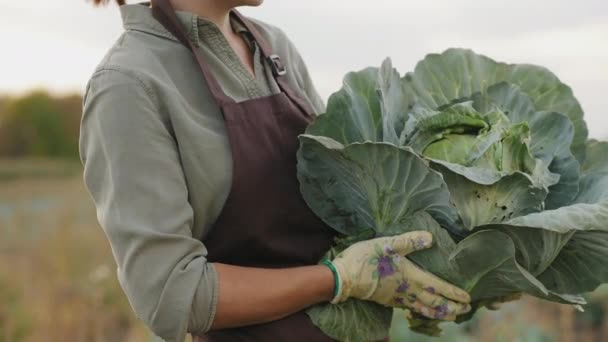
(377, 270)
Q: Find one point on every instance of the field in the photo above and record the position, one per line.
(57, 279)
(58, 283)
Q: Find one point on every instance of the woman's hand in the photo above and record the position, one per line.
(377, 270)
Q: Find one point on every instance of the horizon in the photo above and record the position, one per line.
(55, 46)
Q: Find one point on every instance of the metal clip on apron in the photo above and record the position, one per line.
(264, 222)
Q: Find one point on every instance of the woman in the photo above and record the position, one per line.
(188, 138)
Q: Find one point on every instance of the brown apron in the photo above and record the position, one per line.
(265, 221)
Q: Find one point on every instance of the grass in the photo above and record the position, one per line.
(57, 279)
(13, 169)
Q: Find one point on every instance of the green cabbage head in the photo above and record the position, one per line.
(492, 158)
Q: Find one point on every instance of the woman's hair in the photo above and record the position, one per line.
(104, 2)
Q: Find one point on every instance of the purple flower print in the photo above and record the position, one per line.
(403, 286)
(430, 289)
(398, 300)
(420, 243)
(441, 311)
(385, 266)
(389, 250)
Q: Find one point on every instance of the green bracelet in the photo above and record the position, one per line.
(331, 266)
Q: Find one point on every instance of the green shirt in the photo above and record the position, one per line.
(157, 159)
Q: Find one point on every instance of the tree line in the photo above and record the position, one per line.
(39, 124)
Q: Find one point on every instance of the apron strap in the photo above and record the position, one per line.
(279, 71)
(163, 11)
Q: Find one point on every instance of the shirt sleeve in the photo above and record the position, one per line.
(132, 171)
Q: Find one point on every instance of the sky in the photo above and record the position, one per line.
(56, 44)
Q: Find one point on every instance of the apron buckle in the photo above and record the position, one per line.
(278, 68)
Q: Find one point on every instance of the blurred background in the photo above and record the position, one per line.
(57, 275)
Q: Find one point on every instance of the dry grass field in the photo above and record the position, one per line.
(57, 279)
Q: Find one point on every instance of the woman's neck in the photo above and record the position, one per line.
(216, 11)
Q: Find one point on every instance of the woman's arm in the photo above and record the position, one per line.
(376, 270)
(132, 170)
(254, 295)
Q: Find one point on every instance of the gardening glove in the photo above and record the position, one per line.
(377, 270)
